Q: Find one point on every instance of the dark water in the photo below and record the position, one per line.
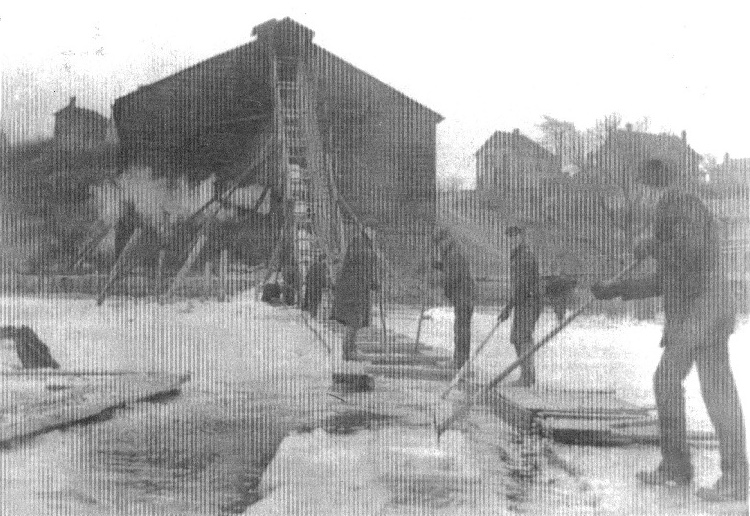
(197, 453)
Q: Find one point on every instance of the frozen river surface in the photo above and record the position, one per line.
(238, 438)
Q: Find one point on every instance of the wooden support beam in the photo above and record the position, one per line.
(223, 275)
(160, 272)
(189, 262)
(91, 244)
(207, 281)
(119, 266)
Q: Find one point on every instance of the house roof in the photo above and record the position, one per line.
(661, 146)
(503, 138)
(81, 112)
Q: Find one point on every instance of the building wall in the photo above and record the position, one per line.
(510, 160)
(79, 129)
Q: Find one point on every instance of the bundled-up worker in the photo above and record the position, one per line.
(524, 300)
(459, 288)
(699, 317)
(315, 282)
(355, 280)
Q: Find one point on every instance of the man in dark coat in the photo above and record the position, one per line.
(525, 300)
(459, 289)
(699, 319)
(355, 280)
(315, 282)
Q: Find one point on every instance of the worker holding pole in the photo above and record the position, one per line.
(699, 319)
(525, 300)
(459, 288)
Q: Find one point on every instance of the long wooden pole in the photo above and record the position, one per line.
(191, 259)
(91, 245)
(463, 410)
(466, 367)
(119, 264)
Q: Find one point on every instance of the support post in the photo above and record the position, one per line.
(159, 273)
(207, 280)
(223, 275)
(191, 259)
(119, 265)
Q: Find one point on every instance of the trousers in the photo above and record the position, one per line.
(719, 394)
(462, 333)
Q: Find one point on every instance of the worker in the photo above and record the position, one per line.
(699, 319)
(356, 278)
(316, 281)
(459, 289)
(524, 300)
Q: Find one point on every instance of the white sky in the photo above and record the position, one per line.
(482, 66)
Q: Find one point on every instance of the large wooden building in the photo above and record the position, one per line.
(217, 116)
(286, 117)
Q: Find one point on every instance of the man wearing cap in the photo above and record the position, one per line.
(699, 317)
(525, 300)
(459, 288)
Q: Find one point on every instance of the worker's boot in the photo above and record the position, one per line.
(729, 488)
(674, 470)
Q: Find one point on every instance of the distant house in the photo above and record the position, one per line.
(624, 154)
(79, 128)
(511, 159)
(733, 170)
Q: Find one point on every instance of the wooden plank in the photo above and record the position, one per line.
(57, 400)
(565, 401)
(403, 359)
(412, 372)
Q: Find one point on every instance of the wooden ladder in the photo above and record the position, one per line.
(311, 212)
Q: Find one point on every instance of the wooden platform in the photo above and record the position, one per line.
(570, 416)
(585, 416)
(36, 402)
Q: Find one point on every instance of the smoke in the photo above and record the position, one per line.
(158, 201)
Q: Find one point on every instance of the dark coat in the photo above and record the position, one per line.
(526, 295)
(317, 277)
(355, 280)
(698, 303)
(458, 283)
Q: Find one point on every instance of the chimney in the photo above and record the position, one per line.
(726, 158)
(72, 101)
(629, 127)
(286, 37)
(684, 137)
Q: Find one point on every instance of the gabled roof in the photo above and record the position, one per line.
(662, 146)
(286, 24)
(81, 112)
(504, 138)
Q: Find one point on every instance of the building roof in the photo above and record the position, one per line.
(80, 112)
(502, 138)
(285, 24)
(667, 147)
